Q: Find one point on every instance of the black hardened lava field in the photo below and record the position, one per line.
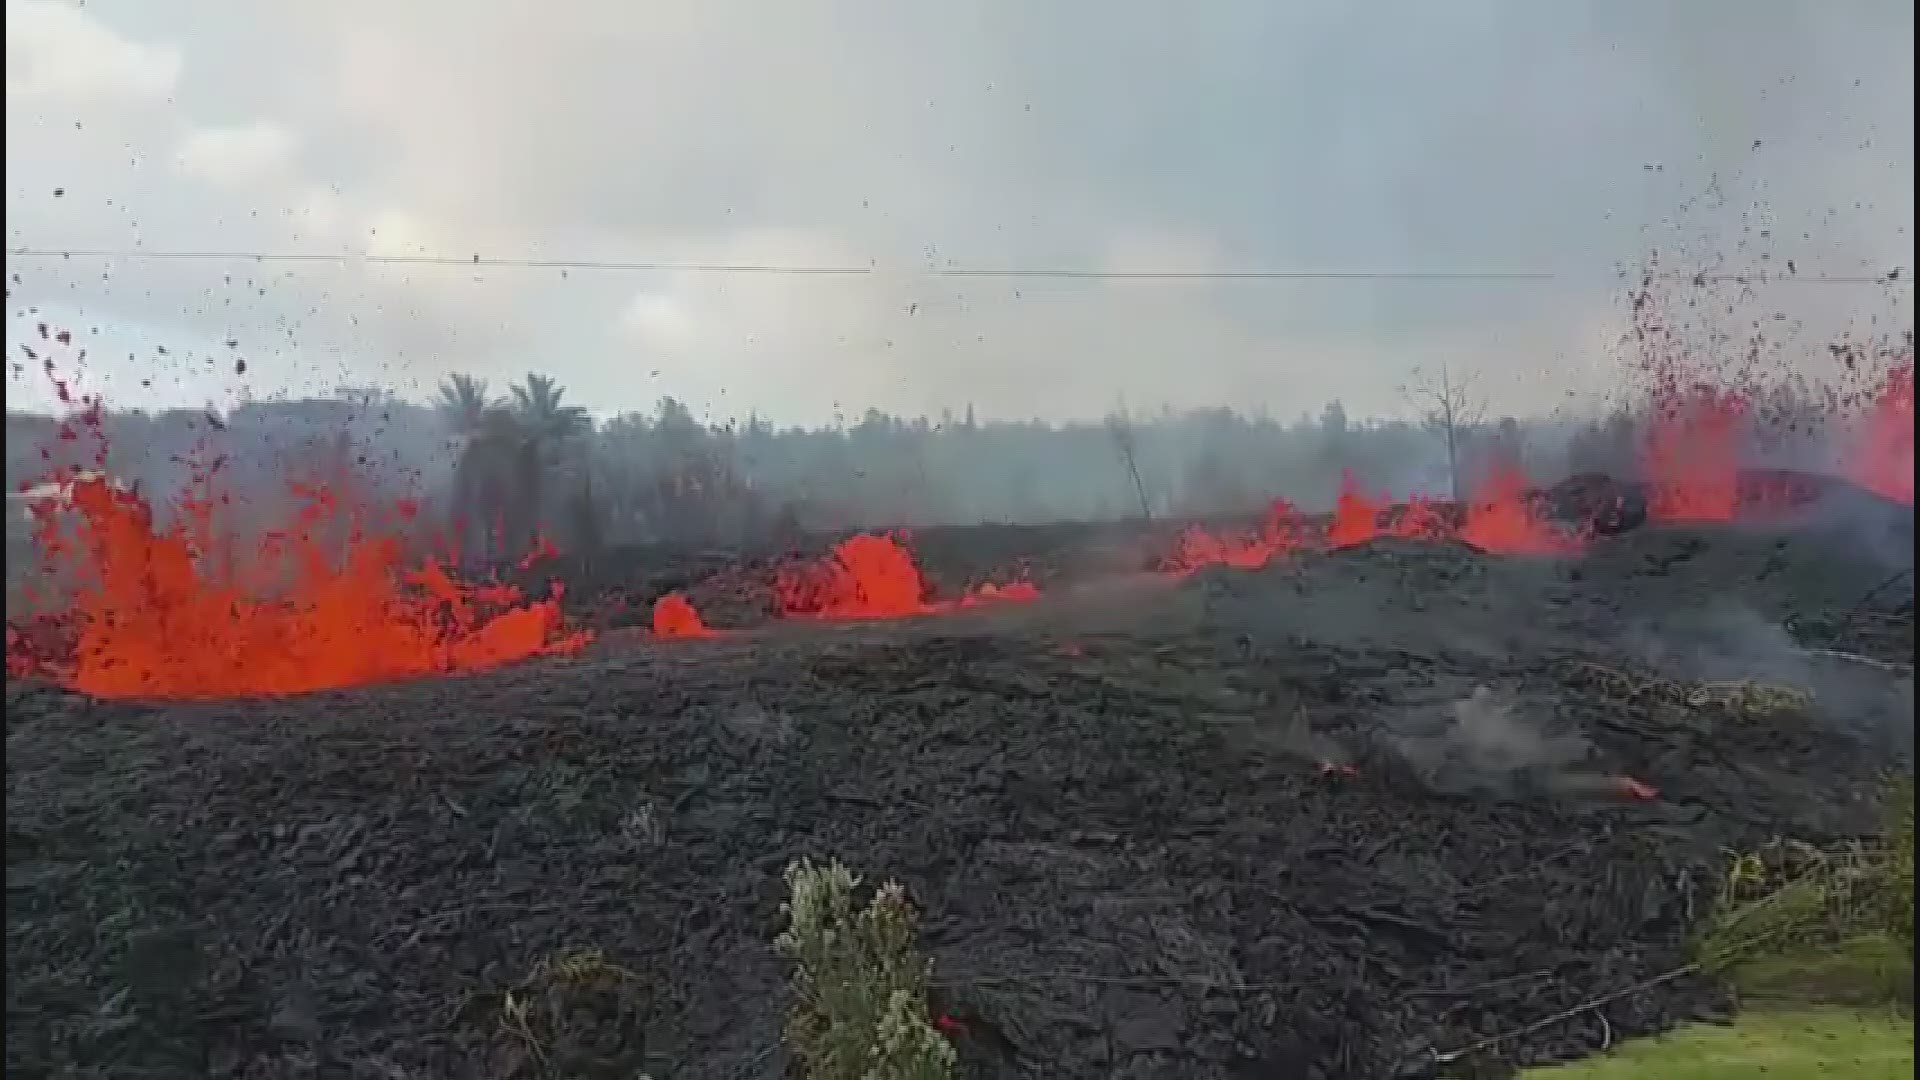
(1395, 811)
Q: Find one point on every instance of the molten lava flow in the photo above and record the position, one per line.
(1359, 518)
(869, 576)
(873, 576)
(674, 617)
(1011, 592)
(1356, 518)
(1283, 532)
(1197, 548)
(1420, 519)
(1692, 454)
(1882, 461)
(1701, 409)
(1501, 520)
(154, 616)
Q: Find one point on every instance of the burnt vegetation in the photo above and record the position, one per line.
(1392, 811)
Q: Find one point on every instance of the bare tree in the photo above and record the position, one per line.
(1120, 427)
(1451, 406)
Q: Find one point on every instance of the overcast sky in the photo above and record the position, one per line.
(908, 137)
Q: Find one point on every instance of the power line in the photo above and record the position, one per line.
(1253, 275)
(1056, 273)
(435, 260)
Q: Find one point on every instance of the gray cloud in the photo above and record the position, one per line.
(916, 137)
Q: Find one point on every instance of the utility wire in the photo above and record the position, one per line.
(435, 260)
(1054, 273)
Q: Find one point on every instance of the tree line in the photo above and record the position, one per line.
(496, 470)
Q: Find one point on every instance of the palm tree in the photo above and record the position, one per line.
(544, 424)
(485, 432)
(465, 404)
(537, 403)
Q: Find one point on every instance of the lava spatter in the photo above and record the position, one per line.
(674, 616)
(1882, 459)
(1691, 456)
(1500, 519)
(154, 614)
(874, 576)
(1283, 532)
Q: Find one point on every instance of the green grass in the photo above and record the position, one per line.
(1859, 1044)
(1865, 970)
(1819, 947)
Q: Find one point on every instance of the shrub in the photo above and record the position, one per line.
(859, 1009)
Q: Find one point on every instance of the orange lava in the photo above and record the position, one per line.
(1197, 547)
(1500, 519)
(1283, 531)
(873, 576)
(1356, 517)
(1011, 592)
(167, 613)
(1692, 454)
(869, 576)
(1882, 462)
(1700, 417)
(674, 617)
(1359, 518)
